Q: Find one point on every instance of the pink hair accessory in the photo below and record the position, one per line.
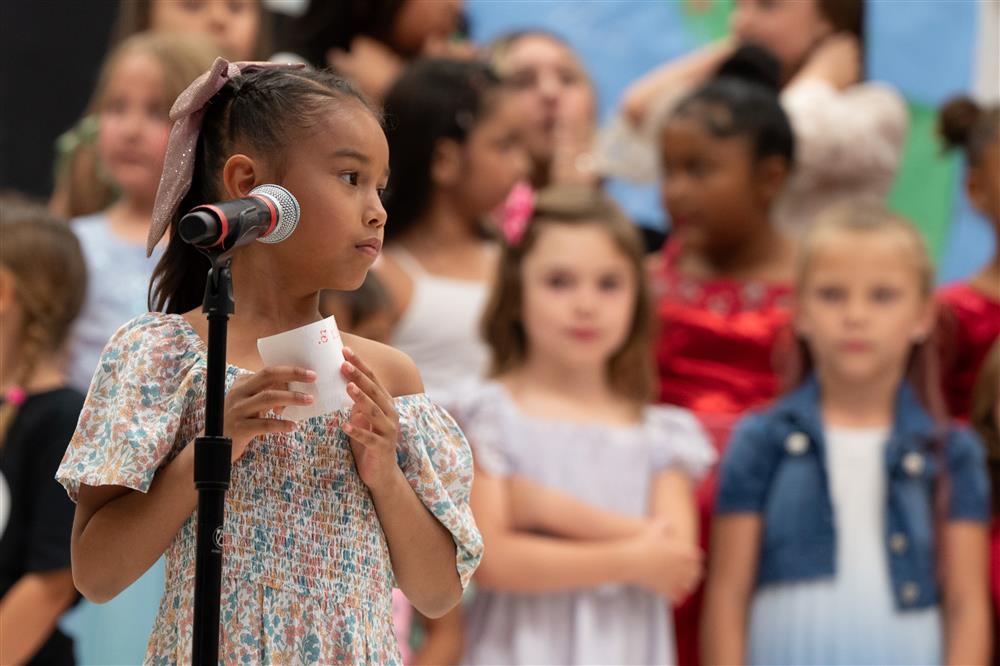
(15, 395)
(516, 212)
(187, 113)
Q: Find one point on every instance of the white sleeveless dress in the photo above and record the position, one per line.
(440, 328)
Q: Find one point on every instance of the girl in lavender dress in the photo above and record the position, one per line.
(583, 491)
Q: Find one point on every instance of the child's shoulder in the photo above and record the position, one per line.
(671, 418)
(679, 439)
(154, 339)
(155, 326)
(394, 369)
(769, 429)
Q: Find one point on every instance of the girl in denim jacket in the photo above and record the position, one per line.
(852, 525)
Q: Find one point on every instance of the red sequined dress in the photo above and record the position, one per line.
(970, 322)
(715, 352)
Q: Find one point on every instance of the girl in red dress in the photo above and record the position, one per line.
(724, 278)
(970, 311)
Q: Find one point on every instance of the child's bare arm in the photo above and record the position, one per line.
(687, 71)
(517, 561)
(966, 601)
(673, 501)
(30, 610)
(732, 571)
(118, 533)
(443, 640)
(535, 508)
(422, 550)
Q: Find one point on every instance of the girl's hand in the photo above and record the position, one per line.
(664, 564)
(250, 397)
(572, 162)
(373, 426)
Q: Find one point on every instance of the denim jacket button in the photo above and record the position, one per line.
(797, 443)
(913, 463)
(897, 543)
(910, 592)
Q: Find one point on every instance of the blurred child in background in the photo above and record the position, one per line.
(723, 281)
(455, 151)
(371, 42)
(558, 105)
(42, 284)
(971, 310)
(236, 29)
(138, 84)
(583, 490)
(849, 132)
(852, 518)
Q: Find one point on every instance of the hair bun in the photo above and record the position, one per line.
(956, 120)
(753, 64)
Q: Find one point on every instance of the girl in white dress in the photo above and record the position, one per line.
(583, 491)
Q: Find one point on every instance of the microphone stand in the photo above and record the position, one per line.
(212, 466)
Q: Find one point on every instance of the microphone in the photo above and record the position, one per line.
(269, 215)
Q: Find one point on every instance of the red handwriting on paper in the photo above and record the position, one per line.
(326, 335)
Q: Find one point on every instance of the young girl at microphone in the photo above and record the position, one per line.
(852, 517)
(583, 490)
(323, 516)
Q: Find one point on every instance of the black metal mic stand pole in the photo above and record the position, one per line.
(212, 464)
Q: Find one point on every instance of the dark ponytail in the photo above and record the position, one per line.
(265, 109)
(742, 100)
(965, 125)
(432, 100)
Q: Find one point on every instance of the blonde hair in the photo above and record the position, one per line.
(499, 49)
(630, 369)
(81, 187)
(866, 216)
(869, 216)
(46, 263)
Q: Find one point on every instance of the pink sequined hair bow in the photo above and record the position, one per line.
(187, 114)
(516, 212)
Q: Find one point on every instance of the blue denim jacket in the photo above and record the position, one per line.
(775, 465)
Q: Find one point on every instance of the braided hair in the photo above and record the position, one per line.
(42, 257)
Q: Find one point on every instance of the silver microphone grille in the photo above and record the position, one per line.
(287, 208)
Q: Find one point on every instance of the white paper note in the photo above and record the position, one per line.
(316, 347)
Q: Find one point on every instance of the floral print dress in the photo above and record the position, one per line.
(306, 572)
